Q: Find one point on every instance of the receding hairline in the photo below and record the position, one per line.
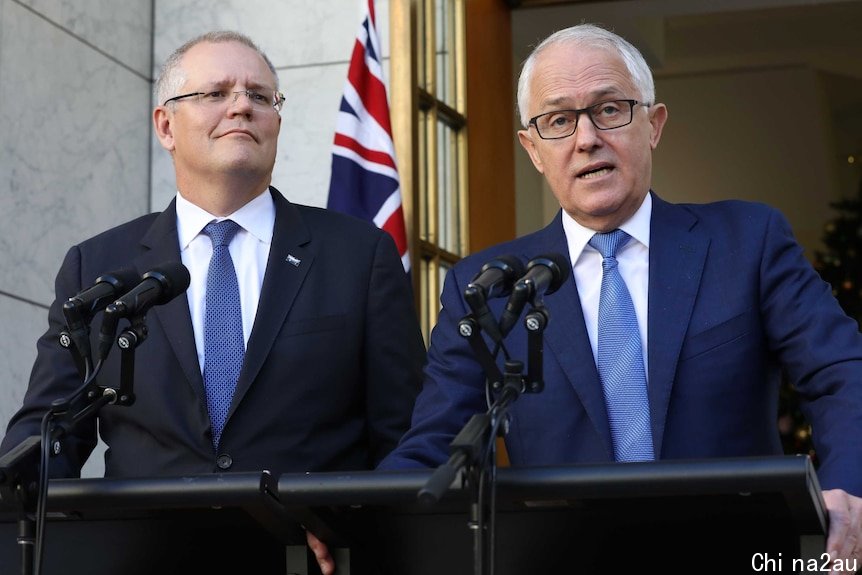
(172, 76)
(587, 36)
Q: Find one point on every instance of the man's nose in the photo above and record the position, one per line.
(587, 136)
(241, 102)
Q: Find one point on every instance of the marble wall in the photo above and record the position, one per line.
(74, 150)
(77, 154)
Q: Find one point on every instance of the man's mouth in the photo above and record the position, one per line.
(597, 173)
(240, 132)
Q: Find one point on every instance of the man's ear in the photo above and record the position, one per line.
(527, 142)
(657, 119)
(162, 122)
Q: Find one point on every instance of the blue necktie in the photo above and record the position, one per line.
(224, 346)
(620, 361)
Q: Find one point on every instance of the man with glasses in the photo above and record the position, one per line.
(310, 357)
(665, 340)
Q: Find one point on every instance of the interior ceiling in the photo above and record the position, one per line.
(684, 36)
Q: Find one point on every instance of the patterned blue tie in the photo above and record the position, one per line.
(224, 346)
(620, 361)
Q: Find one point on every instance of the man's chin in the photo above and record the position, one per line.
(603, 213)
(246, 164)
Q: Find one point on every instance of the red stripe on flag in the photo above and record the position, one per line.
(375, 156)
(395, 227)
(371, 90)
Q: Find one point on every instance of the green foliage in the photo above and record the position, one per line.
(841, 263)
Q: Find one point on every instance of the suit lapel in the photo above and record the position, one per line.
(162, 246)
(289, 261)
(677, 254)
(566, 337)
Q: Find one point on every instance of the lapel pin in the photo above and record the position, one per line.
(293, 260)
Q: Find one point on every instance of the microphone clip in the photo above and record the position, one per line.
(135, 334)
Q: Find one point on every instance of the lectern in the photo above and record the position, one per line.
(723, 515)
(213, 524)
(675, 516)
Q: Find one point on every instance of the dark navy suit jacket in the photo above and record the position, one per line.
(731, 300)
(332, 366)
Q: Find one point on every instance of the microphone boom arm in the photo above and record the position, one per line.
(536, 321)
(469, 329)
(128, 341)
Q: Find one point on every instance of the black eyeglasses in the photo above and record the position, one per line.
(259, 99)
(604, 116)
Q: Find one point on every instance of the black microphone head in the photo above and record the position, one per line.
(509, 268)
(122, 280)
(174, 278)
(559, 267)
(509, 265)
(105, 289)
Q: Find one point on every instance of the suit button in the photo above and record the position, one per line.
(224, 461)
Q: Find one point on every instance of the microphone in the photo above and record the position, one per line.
(495, 279)
(545, 274)
(158, 286)
(80, 309)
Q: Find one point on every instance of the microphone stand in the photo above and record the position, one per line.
(19, 468)
(474, 448)
(20, 481)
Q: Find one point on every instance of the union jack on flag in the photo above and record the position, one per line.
(364, 180)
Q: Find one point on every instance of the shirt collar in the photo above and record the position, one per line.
(636, 226)
(257, 217)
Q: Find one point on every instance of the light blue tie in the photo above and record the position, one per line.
(620, 361)
(224, 346)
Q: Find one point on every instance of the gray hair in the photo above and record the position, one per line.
(591, 36)
(172, 76)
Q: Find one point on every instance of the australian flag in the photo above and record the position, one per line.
(364, 179)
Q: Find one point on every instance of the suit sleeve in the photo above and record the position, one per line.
(55, 376)
(820, 348)
(453, 390)
(394, 351)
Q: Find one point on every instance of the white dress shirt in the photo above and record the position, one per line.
(633, 261)
(249, 250)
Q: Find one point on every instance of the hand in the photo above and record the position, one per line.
(321, 553)
(844, 544)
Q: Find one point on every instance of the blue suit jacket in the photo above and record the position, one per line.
(731, 299)
(331, 369)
